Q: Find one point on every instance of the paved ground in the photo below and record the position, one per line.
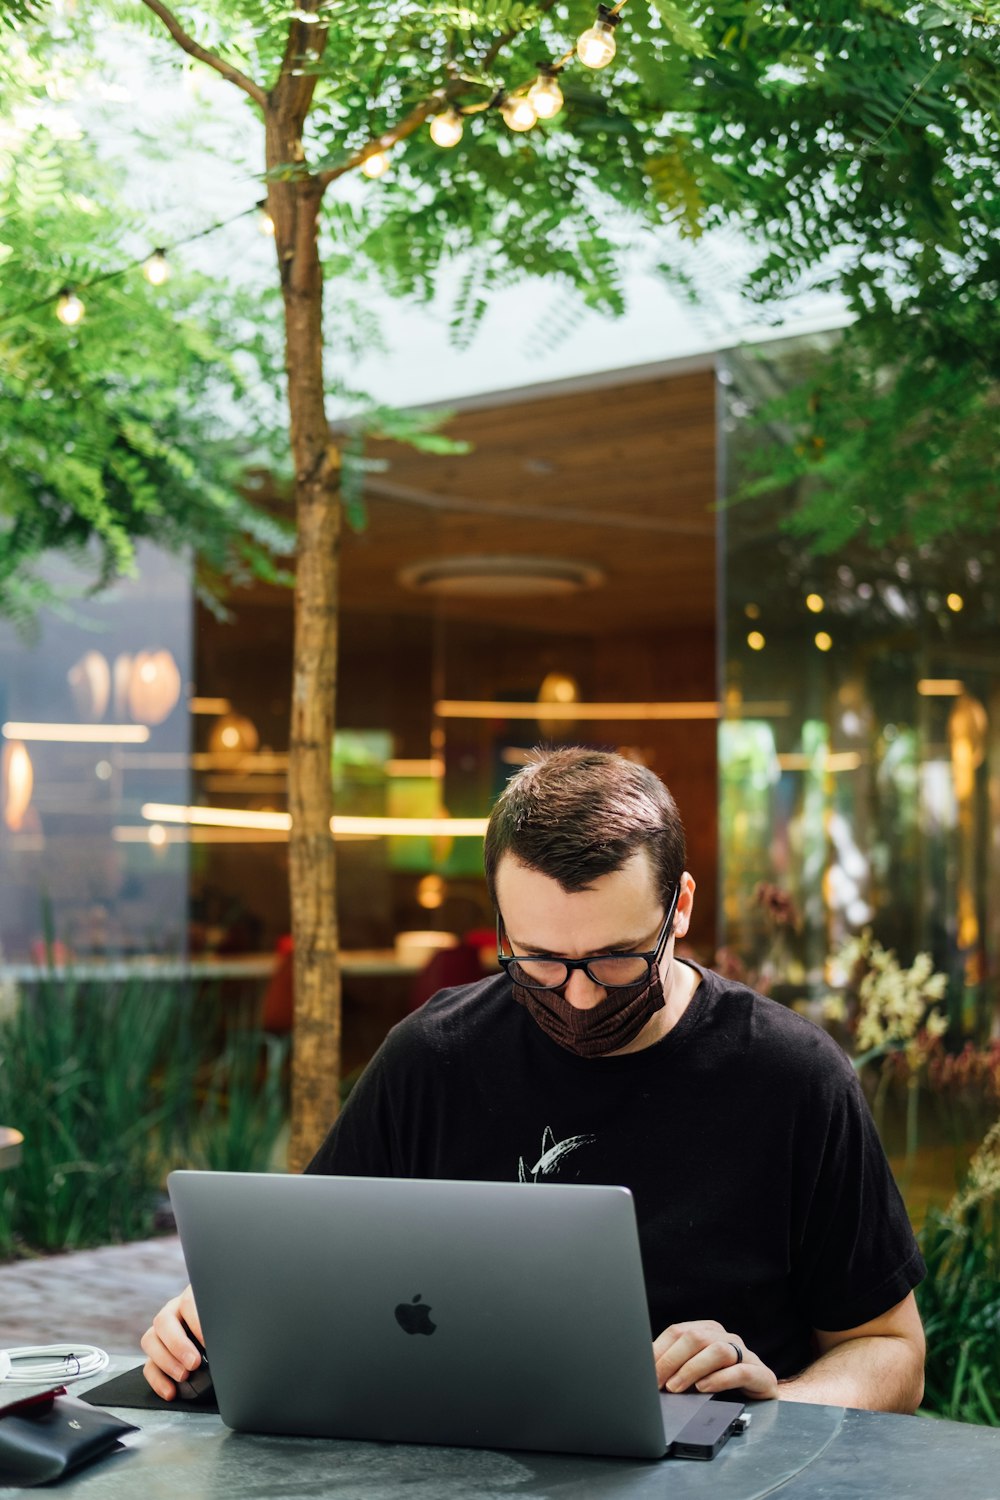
(105, 1297)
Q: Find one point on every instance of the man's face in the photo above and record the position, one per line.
(621, 912)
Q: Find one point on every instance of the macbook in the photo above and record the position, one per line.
(499, 1315)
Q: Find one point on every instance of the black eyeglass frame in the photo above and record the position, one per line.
(652, 957)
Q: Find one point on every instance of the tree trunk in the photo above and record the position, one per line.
(294, 207)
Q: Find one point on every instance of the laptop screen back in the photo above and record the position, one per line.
(487, 1314)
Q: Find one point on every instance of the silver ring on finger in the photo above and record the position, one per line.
(738, 1351)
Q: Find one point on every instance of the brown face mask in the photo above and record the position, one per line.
(613, 1023)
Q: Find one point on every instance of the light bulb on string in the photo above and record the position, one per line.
(545, 96)
(596, 47)
(69, 309)
(518, 112)
(376, 165)
(446, 129)
(265, 224)
(157, 268)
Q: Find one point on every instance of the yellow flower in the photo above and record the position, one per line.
(835, 1008)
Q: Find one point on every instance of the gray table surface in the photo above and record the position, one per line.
(805, 1452)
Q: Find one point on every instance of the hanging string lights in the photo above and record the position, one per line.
(523, 107)
(520, 109)
(596, 46)
(518, 112)
(376, 165)
(545, 96)
(69, 309)
(446, 129)
(157, 268)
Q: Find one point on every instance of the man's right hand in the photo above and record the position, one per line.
(171, 1354)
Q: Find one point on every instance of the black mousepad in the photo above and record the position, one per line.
(132, 1390)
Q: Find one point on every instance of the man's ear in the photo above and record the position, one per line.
(685, 905)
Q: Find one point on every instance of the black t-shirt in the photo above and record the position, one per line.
(762, 1193)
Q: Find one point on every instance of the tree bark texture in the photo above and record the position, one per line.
(294, 207)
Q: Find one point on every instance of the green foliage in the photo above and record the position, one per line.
(418, 429)
(960, 1299)
(855, 144)
(17, 12)
(126, 425)
(893, 433)
(105, 1081)
(244, 1106)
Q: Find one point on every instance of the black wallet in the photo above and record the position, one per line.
(44, 1437)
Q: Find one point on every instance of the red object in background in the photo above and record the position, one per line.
(449, 966)
(446, 967)
(54, 955)
(279, 997)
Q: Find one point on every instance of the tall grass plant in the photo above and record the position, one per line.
(111, 1085)
(960, 1299)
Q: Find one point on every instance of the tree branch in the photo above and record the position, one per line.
(297, 89)
(388, 138)
(188, 44)
(419, 114)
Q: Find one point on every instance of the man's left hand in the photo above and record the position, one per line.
(702, 1356)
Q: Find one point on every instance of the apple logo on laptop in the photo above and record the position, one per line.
(415, 1316)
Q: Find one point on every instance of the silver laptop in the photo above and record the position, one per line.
(497, 1315)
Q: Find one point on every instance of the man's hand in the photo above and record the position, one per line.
(703, 1356)
(171, 1354)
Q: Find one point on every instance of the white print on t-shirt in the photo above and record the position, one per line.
(553, 1152)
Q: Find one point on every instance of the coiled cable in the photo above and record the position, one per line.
(39, 1364)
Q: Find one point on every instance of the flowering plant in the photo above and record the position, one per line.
(884, 1007)
(886, 1012)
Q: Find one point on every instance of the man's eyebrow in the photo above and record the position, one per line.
(528, 949)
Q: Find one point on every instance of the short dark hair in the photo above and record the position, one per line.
(575, 814)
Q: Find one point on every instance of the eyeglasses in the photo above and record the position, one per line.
(550, 971)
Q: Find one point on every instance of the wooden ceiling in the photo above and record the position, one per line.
(620, 477)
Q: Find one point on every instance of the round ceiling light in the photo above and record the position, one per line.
(500, 577)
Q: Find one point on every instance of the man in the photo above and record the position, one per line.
(777, 1253)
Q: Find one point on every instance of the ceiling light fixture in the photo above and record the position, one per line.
(500, 577)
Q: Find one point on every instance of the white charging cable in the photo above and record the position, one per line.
(38, 1364)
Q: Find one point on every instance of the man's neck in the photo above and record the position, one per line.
(679, 985)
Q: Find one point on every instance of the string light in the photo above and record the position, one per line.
(376, 165)
(755, 641)
(69, 309)
(815, 603)
(518, 112)
(446, 129)
(157, 268)
(955, 602)
(823, 640)
(545, 96)
(596, 46)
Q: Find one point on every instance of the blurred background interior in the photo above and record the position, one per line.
(828, 727)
